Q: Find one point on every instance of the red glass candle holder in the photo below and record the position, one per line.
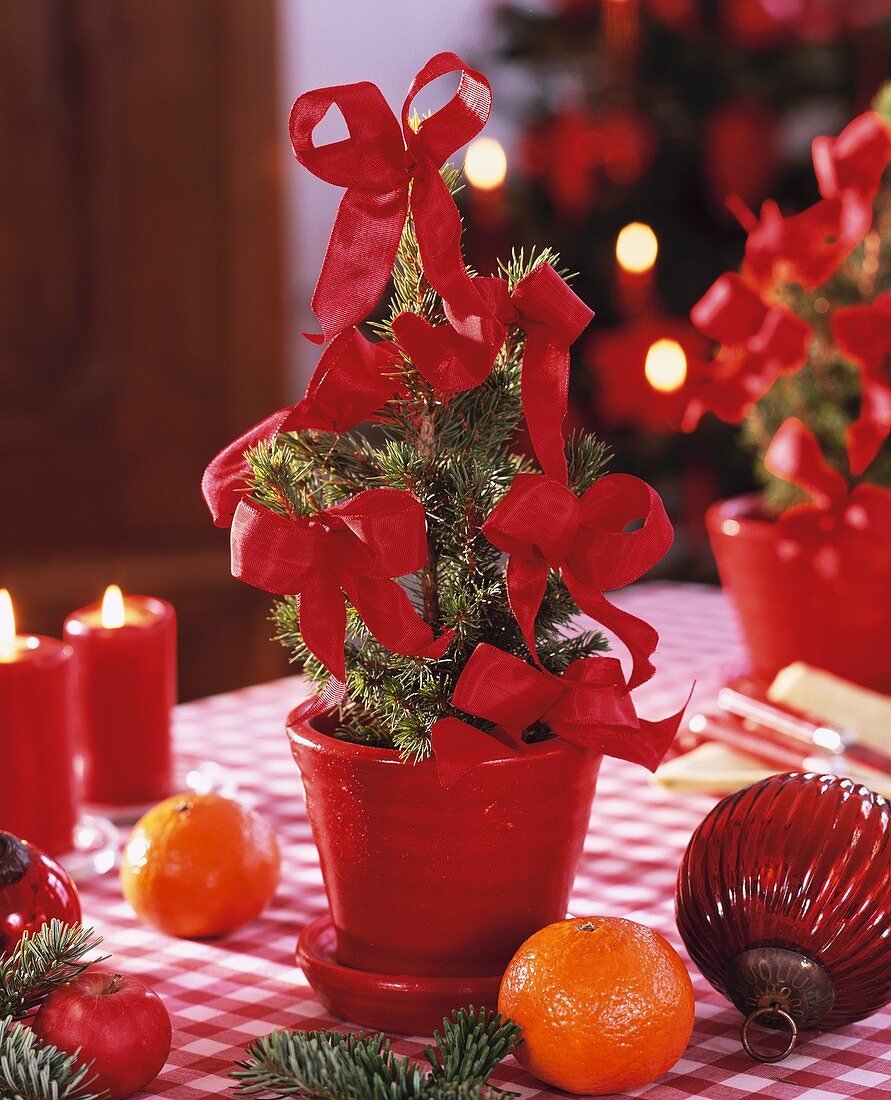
(125, 690)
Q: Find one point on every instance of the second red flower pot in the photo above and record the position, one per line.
(434, 882)
(791, 610)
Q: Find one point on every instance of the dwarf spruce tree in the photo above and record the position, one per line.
(458, 455)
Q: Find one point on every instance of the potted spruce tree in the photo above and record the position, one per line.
(430, 573)
(805, 345)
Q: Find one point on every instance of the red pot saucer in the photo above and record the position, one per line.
(403, 1004)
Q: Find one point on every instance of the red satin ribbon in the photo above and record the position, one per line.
(353, 548)
(542, 525)
(552, 317)
(836, 515)
(863, 334)
(849, 170)
(352, 380)
(589, 705)
(760, 341)
(388, 169)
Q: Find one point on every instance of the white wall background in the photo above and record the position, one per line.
(326, 42)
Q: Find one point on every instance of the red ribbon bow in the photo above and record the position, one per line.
(836, 516)
(760, 341)
(353, 548)
(387, 169)
(352, 380)
(543, 525)
(550, 314)
(863, 333)
(849, 170)
(589, 705)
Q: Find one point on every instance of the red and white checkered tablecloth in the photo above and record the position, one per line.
(221, 995)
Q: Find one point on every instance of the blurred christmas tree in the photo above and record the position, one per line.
(651, 114)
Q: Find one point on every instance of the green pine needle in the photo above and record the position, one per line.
(329, 1065)
(42, 961)
(32, 1070)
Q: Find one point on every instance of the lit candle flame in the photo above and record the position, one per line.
(113, 615)
(666, 366)
(485, 164)
(637, 247)
(7, 626)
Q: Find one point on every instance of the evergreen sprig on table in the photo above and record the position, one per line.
(38, 964)
(32, 1070)
(328, 1065)
(456, 455)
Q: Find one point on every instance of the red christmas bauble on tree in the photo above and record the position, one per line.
(741, 153)
(33, 890)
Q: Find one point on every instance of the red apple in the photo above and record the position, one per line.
(116, 1022)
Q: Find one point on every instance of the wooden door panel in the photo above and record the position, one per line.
(140, 302)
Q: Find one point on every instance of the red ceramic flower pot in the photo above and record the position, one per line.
(792, 611)
(436, 882)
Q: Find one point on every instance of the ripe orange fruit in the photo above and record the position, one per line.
(605, 1004)
(200, 865)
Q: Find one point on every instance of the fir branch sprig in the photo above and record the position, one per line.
(33, 1070)
(329, 1065)
(42, 961)
(471, 1046)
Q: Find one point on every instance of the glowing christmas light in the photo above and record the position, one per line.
(637, 248)
(485, 164)
(666, 366)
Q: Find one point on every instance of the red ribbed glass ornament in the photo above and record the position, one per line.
(784, 902)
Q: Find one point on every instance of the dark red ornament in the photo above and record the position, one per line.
(33, 890)
(741, 151)
(784, 903)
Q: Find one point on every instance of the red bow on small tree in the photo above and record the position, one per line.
(387, 169)
(849, 171)
(759, 342)
(552, 318)
(542, 525)
(352, 380)
(863, 333)
(837, 515)
(589, 705)
(353, 548)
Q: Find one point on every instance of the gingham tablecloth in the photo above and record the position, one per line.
(221, 995)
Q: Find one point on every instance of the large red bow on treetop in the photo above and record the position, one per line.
(355, 548)
(552, 318)
(388, 169)
(353, 379)
(863, 333)
(543, 525)
(589, 705)
(807, 247)
(836, 515)
(849, 170)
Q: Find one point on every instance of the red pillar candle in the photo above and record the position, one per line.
(37, 784)
(125, 677)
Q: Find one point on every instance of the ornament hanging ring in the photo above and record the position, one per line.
(773, 1011)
